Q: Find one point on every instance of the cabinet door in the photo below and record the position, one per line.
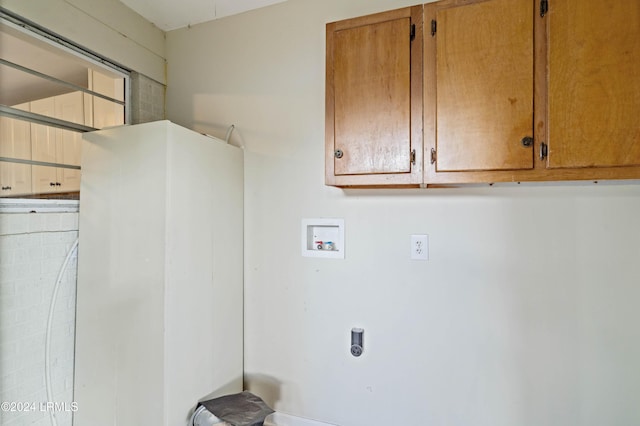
(15, 179)
(15, 142)
(374, 99)
(15, 139)
(480, 90)
(43, 148)
(54, 145)
(594, 89)
(69, 107)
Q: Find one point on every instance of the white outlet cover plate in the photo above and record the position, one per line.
(419, 247)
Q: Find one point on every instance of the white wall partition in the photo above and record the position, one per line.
(159, 301)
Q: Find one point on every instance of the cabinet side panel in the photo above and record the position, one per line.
(120, 299)
(484, 56)
(329, 111)
(204, 251)
(594, 89)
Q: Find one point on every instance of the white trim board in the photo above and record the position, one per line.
(33, 205)
(281, 419)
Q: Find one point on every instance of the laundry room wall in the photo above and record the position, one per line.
(524, 314)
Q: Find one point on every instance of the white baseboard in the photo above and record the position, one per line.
(281, 419)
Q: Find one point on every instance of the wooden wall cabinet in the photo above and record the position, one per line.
(44, 148)
(514, 90)
(15, 142)
(54, 145)
(29, 141)
(530, 90)
(374, 100)
(593, 103)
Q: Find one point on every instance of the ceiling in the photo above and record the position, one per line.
(172, 14)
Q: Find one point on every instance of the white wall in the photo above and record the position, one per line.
(107, 27)
(526, 313)
(33, 247)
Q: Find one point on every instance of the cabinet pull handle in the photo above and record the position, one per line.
(433, 155)
(58, 184)
(52, 184)
(527, 141)
(413, 157)
(6, 188)
(338, 153)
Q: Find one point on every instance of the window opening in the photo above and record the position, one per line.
(51, 91)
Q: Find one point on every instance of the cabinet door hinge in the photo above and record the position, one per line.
(433, 155)
(434, 27)
(412, 32)
(544, 150)
(413, 157)
(544, 7)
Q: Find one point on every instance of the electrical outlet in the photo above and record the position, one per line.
(420, 247)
